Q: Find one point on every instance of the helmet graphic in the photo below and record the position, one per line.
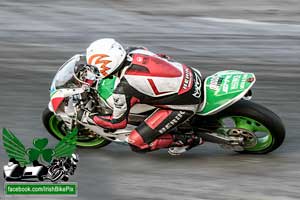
(74, 158)
(105, 54)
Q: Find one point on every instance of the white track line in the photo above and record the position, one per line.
(244, 21)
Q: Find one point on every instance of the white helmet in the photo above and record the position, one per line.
(105, 54)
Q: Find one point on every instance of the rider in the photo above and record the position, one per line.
(152, 79)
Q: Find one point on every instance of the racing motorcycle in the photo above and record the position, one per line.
(226, 116)
(62, 168)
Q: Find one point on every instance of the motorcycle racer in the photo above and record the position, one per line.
(153, 79)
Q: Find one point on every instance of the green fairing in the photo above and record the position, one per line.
(106, 87)
(224, 88)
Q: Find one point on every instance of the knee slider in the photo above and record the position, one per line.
(136, 140)
(139, 150)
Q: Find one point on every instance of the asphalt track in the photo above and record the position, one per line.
(259, 36)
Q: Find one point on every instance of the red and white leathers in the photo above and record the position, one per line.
(147, 78)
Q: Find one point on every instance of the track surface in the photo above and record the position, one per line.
(36, 38)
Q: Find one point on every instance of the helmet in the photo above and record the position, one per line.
(106, 55)
(74, 158)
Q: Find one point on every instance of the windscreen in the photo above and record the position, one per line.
(64, 78)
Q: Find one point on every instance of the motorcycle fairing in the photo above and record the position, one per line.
(106, 87)
(224, 88)
(59, 95)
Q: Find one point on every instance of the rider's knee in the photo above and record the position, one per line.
(137, 143)
(137, 140)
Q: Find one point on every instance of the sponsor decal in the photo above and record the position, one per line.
(141, 59)
(235, 82)
(215, 82)
(197, 85)
(38, 164)
(187, 81)
(225, 84)
(172, 123)
(243, 82)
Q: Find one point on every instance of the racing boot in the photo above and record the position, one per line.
(184, 142)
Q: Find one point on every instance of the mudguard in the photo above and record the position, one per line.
(224, 89)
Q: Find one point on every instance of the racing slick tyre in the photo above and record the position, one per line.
(263, 123)
(57, 129)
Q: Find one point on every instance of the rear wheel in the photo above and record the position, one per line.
(57, 128)
(265, 125)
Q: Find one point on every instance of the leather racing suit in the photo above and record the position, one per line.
(148, 78)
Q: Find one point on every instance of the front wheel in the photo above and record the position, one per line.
(263, 123)
(56, 128)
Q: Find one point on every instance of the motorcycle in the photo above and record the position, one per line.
(62, 168)
(226, 116)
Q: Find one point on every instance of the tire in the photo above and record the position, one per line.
(56, 175)
(54, 127)
(65, 178)
(40, 178)
(262, 117)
